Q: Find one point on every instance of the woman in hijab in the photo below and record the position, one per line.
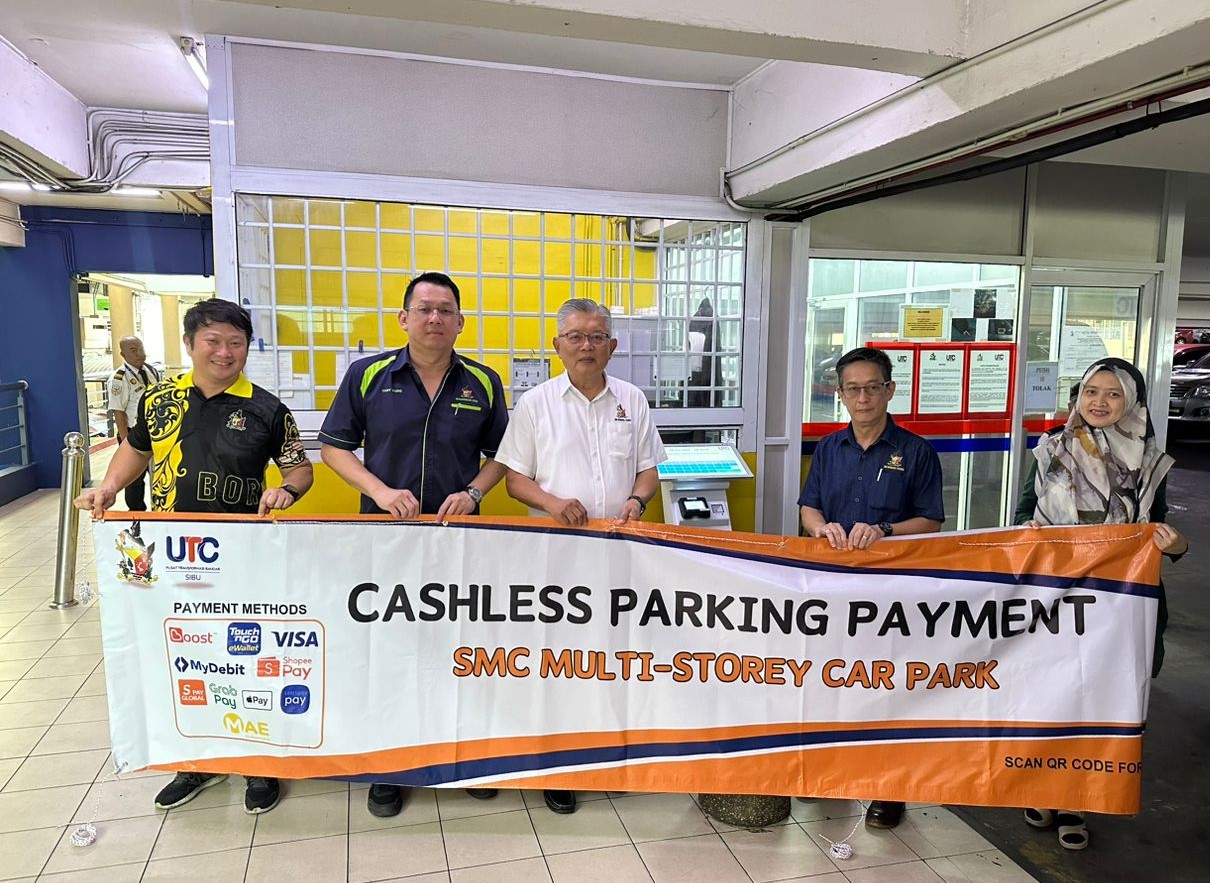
(1101, 467)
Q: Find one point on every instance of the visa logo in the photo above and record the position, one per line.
(296, 639)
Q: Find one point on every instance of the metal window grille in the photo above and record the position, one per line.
(324, 281)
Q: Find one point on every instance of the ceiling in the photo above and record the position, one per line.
(131, 44)
(122, 53)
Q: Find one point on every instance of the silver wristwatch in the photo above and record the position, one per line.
(475, 493)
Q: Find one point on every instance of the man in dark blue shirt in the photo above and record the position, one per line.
(426, 416)
(871, 480)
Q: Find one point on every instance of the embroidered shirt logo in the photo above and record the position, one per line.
(621, 414)
(466, 401)
(896, 463)
(237, 421)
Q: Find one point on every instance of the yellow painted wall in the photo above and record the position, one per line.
(346, 305)
(121, 317)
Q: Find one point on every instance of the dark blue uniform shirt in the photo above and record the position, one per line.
(896, 478)
(429, 447)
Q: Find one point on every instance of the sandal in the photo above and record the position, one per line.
(1073, 832)
(1039, 818)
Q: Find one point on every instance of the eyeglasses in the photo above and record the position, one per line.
(871, 390)
(577, 338)
(443, 312)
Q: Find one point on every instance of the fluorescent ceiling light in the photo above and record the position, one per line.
(22, 187)
(135, 191)
(193, 52)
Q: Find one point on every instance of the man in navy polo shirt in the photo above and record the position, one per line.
(871, 480)
(426, 416)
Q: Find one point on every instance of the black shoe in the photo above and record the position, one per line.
(185, 787)
(260, 794)
(884, 814)
(483, 793)
(384, 801)
(562, 802)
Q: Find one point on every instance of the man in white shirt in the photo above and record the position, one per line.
(126, 386)
(582, 445)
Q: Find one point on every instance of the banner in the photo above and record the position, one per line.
(1005, 667)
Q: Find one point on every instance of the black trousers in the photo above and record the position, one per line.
(136, 500)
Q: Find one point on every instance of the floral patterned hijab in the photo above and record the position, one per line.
(1102, 476)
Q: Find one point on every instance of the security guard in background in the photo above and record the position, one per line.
(126, 386)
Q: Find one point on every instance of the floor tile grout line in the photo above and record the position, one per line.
(630, 837)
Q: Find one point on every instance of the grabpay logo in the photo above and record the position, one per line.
(237, 726)
(224, 694)
(243, 639)
(295, 699)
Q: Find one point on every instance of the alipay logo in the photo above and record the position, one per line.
(243, 639)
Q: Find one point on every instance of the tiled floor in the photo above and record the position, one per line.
(54, 773)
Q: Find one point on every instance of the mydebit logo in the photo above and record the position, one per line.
(295, 699)
(243, 639)
(192, 549)
(183, 665)
(237, 726)
(180, 636)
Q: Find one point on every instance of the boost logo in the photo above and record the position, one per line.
(243, 638)
(179, 636)
(295, 699)
(237, 726)
(191, 692)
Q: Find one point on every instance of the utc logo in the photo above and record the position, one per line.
(192, 549)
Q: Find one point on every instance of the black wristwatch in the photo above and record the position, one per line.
(885, 527)
(291, 491)
(639, 500)
(474, 493)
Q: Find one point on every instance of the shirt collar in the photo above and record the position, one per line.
(131, 368)
(404, 360)
(890, 433)
(565, 386)
(242, 387)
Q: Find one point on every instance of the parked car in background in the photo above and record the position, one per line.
(1192, 335)
(1189, 399)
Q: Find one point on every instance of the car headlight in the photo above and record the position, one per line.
(1201, 392)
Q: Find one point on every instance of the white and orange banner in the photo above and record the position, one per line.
(1004, 667)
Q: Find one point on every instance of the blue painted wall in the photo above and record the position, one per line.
(39, 306)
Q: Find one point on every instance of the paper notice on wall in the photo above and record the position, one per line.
(989, 381)
(528, 373)
(1082, 345)
(270, 368)
(941, 373)
(1041, 387)
(903, 369)
(923, 322)
(962, 303)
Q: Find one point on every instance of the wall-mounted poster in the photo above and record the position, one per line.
(903, 370)
(989, 383)
(963, 330)
(923, 322)
(941, 380)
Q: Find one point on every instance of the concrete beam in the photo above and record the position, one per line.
(915, 37)
(1109, 49)
(40, 118)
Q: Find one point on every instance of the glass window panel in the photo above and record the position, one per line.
(462, 221)
(495, 256)
(361, 214)
(361, 250)
(323, 214)
(396, 251)
(289, 246)
(494, 223)
(527, 296)
(325, 248)
(829, 277)
(362, 289)
(290, 287)
(938, 273)
(288, 211)
(883, 275)
(327, 288)
(558, 226)
(395, 216)
(429, 220)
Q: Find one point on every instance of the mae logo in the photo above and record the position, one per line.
(243, 639)
(237, 726)
(192, 550)
(134, 556)
(296, 639)
(295, 699)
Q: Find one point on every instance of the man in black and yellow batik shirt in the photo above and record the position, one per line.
(209, 435)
